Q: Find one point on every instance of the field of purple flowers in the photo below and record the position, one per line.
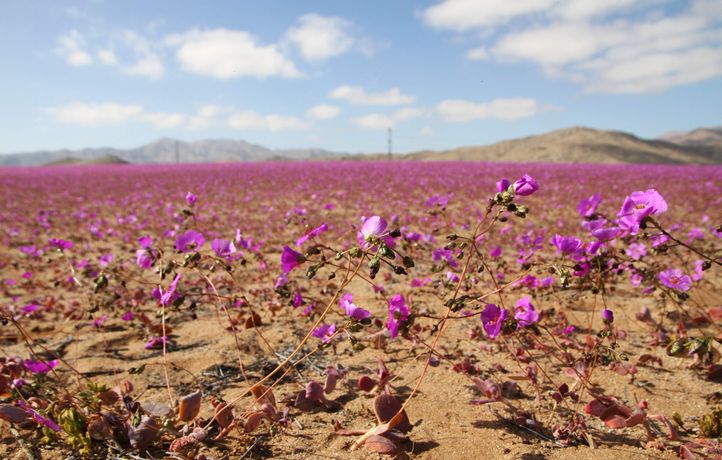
(347, 309)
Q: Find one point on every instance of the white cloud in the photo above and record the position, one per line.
(408, 113)
(323, 112)
(477, 54)
(374, 121)
(613, 46)
(459, 110)
(357, 95)
(250, 120)
(462, 15)
(162, 120)
(206, 115)
(149, 66)
(78, 113)
(72, 48)
(426, 131)
(224, 54)
(107, 57)
(320, 37)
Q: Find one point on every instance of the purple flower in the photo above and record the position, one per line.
(698, 270)
(144, 258)
(566, 244)
(297, 299)
(60, 244)
(105, 260)
(98, 322)
(127, 316)
(637, 250)
(398, 313)
(675, 279)
(588, 207)
(638, 206)
(155, 342)
(503, 185)
(31, 308)
(452, 277)
(39, 419)
(145, 241)
(373, 228)
(223, 248)
(525, 313)
(606, 233)
(352, 310)
(290, 259)
(525, 186)
(40, 367)
(495, 252)
(191, 199)
(170, 296)
(325, 332)
(492, 319)
(189, 241)
(607, 316)
(312, 234)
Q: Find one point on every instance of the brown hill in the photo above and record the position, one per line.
(579, 145)
(103, 160)
(701, 137)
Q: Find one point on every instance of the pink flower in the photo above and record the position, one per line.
(191, 199)
(40, 367)
(374, 228)
(312, 234)
(638, 206)
(492, 319)
(325, 332)
(189, 241)
(675, 279)
(155, 342)
(525, 186)
(290, 259)
(170, 295)
(398, 313)
(525, 313)
(352, 310)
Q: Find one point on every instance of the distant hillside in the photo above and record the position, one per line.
(701, 137)
(578, 145)
(571, 145)
(166, 150)
(104, 160)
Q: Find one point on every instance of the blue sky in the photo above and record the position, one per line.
(336, 75)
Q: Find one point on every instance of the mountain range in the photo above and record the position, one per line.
(571, 145)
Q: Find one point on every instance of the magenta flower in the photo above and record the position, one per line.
(170, 295)
(352, 310)
(155, 343)
(637, 250)
(189, 241)
(588, 207)
(144, 258)
(374, 228)
(607, 316)
(105, 260)
(312, 234)
(503, 185)
(98, 322)
(325, 332)
(698, 270)
(39, 419)
(398, 313)
(127, 316)
(297, 299)
(145, 241)
(675, 279)
(223, 248)
(290, 259)
(606, 233)
(492, 318)
(525, 186)
(191, 199)
(60, 244)
(40, 367)
(525, 313)
(566, 244)
(638, 206)
(30, 308)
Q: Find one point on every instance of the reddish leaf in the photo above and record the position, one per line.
(386, 406)
(380, 445)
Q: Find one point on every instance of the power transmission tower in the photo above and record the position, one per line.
(177, 153)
